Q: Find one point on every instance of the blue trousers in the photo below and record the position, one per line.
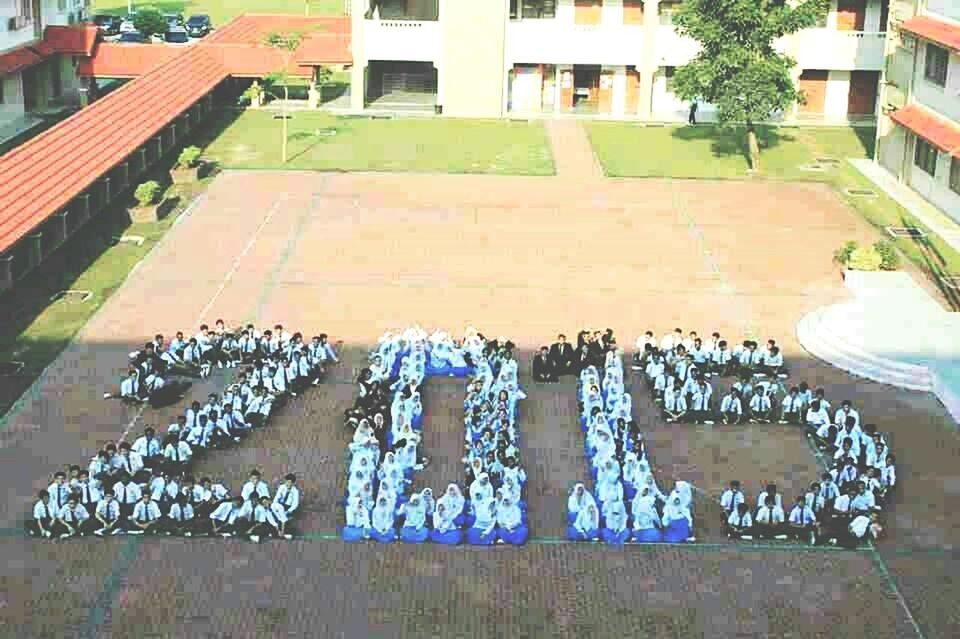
(449, 538)
(353, 533)
(476, 537)
(383, 538)
(575, 535)
(414, 535)
(517, 536)
(677, 531)
(648, 536)
(611, 537)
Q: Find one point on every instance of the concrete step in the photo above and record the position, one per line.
(820, 339)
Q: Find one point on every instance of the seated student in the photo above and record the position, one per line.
(149, 447)
(483, 528)
(543, 370)
(888, 475)
(227, 520)
(454, 505)
(802, 521)
(824, 436)
(615, 529)
(761, 406)
(128, 494)
(106, 516)
(132, 391)
(739, 523)
(770, 491)
(817, 415)
(264, 522)
(791, 409)
(43, 516)
(847, 477)
(286, 527)
(772, 362)
(254, 484)
(700, 403)
(721, 360)
(769, 520)
(863, 528)
(674, 403)
(863, 501)
(288, 495)
(414, 530)
(731, 408)
(59, 492)
(176, 455)
(181, 518)
(646, 520)
(130, 462)
(71, 520)
(840, 515)
(731, 498)
(89, 491)
(579, 499)
(145, 517)
(677, 522)
(382, 522)
(358, 522)
(586, 526)
(445, 530)
(511, 528)
(846, 410)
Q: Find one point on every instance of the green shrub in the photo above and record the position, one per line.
(889, 255)
(842, 255)
(864, 259)
(149, 21)
(189, 157)
(147, 193)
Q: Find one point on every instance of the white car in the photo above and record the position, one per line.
(127, 26)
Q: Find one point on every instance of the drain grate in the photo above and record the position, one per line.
(905, 231)
(8, 369)
(826, 160)
(72, 296)
(951, 281)
(860, 192)
(813, 168)
(127, 239)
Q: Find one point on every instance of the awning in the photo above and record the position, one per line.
(18, 60)
(933, 30)
(937, 131)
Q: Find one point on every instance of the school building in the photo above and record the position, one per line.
(919, 128)
(606, 58)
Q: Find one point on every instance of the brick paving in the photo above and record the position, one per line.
(356, 254)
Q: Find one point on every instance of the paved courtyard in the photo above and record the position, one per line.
(356, 254)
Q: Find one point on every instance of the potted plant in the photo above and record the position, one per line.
(254, 95)
(187, 168)
(147, 196)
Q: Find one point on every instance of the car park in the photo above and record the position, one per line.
(132, 37)
(199, 26)
(176, 35)
(109, 25)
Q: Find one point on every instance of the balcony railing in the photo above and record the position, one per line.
(554, 42)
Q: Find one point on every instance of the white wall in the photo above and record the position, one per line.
(667, 106)
(838, 94)
(944, 8)
(619, 90)
(526, 95)
(944, 100)
(892, 148)
(936, 189)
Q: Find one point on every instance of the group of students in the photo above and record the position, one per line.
(383, 451)
(147, 487)
(550, 364)
(678, 369)
(631, 506)
(842, 508)
(283, 364)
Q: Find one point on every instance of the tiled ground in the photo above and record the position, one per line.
(353, 255)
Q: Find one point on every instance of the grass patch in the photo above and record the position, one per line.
(222, 11)
(711, 152)
(320, 141)
(35, 331)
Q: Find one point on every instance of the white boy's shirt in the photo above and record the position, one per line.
(792, 404)
(842, 504)
(731, 404)
(802, 516)
(700, 399)
(674, 401)
(226, 512)
(78, 514)
(145, 447)
(127, 493)
(760, 403)
(132, 463)
(288, 497)
(888, 476)
(43, 511)
(770, 515)
(181, 513)
(840, 418)
(860, 525)
(829, 491)
(108, 510)
(144, 512)
(866, 501)
(90, 491)
(264, 515)
(815, 502)
(777, 500)
(279, 513)
(721, 356)
(179, 452)
(773, 360)
(735, 520)
(730, 500)
(261, 488)
(129, 387)
(823, 432)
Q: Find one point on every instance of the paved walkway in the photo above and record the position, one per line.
(936, 221)
(572, 152)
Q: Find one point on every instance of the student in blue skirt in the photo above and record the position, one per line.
(646, 520)
(483, 532)
(414, 529)
(383, 523)
(586, 527)
(677, 522)
(444, 531)
(358, 522)
(511, 528)
(615, 530)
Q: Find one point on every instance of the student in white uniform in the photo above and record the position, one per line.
(226, 520)
(43, 516)
(739, 523)
(769, 520)
(288, 495)
(264, 522)
(107, 515)
(731, 498)
(145, 517)
(761, 406)
(791, 407)
(71, 520)
(254, 484)
(802, 522)
(731, 408)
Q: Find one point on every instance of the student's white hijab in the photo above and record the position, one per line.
(576, 503)
(453, 502)
(675, 510)
(509, 514)
(486, 513)
(588, 519)
(616, 516)
(415, 512)
(481, 489)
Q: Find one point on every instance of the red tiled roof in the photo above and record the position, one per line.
(934, 30)
(939, 132)
(69, 40)
(254, 28)
(246, 61)
(325, 48)
(126, 60)
(42, 176)
(19, 59)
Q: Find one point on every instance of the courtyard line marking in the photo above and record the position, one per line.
(891, 582)
(236, 263)
(102, 604)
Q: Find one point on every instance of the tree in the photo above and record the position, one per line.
(150, 21)
(286, 43)
(739, 68)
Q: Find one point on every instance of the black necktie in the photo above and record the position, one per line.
(86, 494)
(287, 499)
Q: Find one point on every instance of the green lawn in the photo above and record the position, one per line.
(321, 141)
(221, 11)
(631, 150)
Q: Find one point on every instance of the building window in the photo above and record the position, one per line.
(925, 157)
(954, 172)
(668, 73)
(667, 9)
(533, 9)
(935, 69)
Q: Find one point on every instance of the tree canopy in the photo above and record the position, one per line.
(739, 68)
(149, 21)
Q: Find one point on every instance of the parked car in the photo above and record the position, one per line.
(199, 26)
(133, 37)
(127, 26)
(173, 20)
(108, 24)
(176, 35)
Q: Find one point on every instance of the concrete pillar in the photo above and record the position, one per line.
(173, 135)
(82, 208)
(62, 226)
(158, 140)
(6, 272)
(123, 176)
(649, 62)
(34, 250)
(107, 195)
